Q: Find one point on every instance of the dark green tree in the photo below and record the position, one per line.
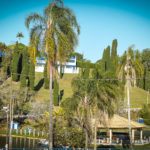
(145, 114)
(14, 63)
(23, 79)
(31, 75)
(6, 62)
(2, 46)
(146, 63)
(56, 93)
(103, 62)
(114, 49)
(79, 56)
(106, 61)
(85, 73)
(25, 68)
(147, 80)
(61, 73)
(114, 57)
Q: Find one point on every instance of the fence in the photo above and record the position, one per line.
(30, 133)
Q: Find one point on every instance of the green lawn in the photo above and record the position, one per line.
(64, 84)
(138, 97)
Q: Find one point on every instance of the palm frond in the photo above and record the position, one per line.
(36, 19)
(36, 30)
(20, 35)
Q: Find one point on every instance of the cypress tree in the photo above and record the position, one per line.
(104, 61)
(31, 75)
(107, 58)
(114, 49)
(46, 79)
(61, 74)
(23, 79)
(14, 63)
(147, 83)
(25, 66)
(56, 93)
(114, 57)
(86, 73)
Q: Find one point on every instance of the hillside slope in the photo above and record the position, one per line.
(64, 84)
(138, 97)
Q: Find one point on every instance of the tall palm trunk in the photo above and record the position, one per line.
(48, 69)
(95, 135)
(50, 107)
(86, 139)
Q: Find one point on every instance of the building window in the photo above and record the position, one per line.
(71, 61)
(68, 67)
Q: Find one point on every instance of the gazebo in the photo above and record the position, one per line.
(118, 122)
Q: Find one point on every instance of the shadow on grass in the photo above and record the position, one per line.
(39, 85)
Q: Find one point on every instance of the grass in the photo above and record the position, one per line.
(64, 84)
(138, 97)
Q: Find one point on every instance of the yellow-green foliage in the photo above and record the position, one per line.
(50, 44)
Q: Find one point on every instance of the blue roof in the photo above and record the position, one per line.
(1, 53)
(42, 58)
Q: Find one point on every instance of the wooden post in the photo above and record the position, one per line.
(110, 136)
(132, 135)
(21, 131)
(141, 135)
(34, 132)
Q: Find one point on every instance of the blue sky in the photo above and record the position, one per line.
(101, 21)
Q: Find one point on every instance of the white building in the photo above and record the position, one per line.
(40, 64)
(68, 67)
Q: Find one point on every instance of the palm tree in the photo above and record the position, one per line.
(20, 35)
(33, 48)
(137, 68)
(57, 30)
(92, 99)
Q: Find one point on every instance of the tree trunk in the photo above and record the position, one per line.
(48, 69)
(51, 107)
(95, 134)
(144, 83)
(86, 139)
